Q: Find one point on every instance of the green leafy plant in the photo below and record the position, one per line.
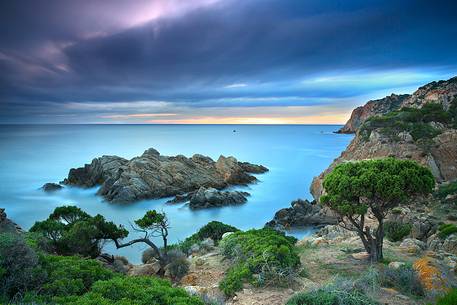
(71, 275)
(380, 185)
(132, 290)
(213, 230)
(266, 253)
(415, 121)
(449, 298)
(446, 229)
(396, 231)
(19, 266)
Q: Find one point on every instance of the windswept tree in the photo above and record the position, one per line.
(73, 231)
(373, 187)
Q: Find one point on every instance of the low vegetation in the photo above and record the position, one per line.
(449, 299)
(396, 231)
(403, 278)
(213, 230)
(339, 292)
(446, 229)
(30, 276)
(262, 257)
(446, 189)
(417, 122)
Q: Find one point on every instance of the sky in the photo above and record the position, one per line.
(216, 61)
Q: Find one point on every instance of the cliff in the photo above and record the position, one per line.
(376, 107)
(422, 128)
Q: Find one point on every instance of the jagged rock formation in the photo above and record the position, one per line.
(302, 213)
(375, 107)
(6, 225)
(438, 151)
(154, 176)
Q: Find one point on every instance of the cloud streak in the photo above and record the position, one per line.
(95, 59)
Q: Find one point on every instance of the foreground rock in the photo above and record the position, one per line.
(154, 176)
(51, 187)
(302, 213)
(437, 152)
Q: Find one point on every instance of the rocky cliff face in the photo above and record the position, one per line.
(6, 225)
(438, 150)
(375, 107)
(154, 176)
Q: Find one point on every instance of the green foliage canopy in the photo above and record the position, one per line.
(352, 187)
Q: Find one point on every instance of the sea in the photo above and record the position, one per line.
(31, 155)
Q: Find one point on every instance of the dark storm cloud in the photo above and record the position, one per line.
(219, 53)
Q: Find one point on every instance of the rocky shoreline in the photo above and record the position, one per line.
(152, 175)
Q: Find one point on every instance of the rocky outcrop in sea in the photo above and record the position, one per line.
(302, 213)
(437, 150)
(7, 225)
(152, 175)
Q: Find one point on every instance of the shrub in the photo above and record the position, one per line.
(71, 275)
(148, 255)
(19, 266)
(446, 189)
(341, 292)
(449, 299)
(396, 231)
(133, 290)
(412, 120)
(233, 281)
(265, 252)
(446, 229)
(178, 265)
(404, 279)
(213, 230)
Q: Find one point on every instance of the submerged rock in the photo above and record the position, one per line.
(51, 187)
(152, 175)
(210, 197)
(302, 213)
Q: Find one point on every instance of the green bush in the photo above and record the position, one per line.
(213, 230)
(71, 275)
(396, 231)
(446, 189)
(266, 253)
(332, 295)
(403, 279)
(234, 279)
(412, 120)
(132, 290)
(449, 299)
(19, 266)
(446, 229)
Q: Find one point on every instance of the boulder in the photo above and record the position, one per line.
(152, 175)
(51, 187)
(412, 246)
(302, 213)
(145, 269)
(396, 265)
(210, 197)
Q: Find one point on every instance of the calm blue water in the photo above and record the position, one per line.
(32, 155)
